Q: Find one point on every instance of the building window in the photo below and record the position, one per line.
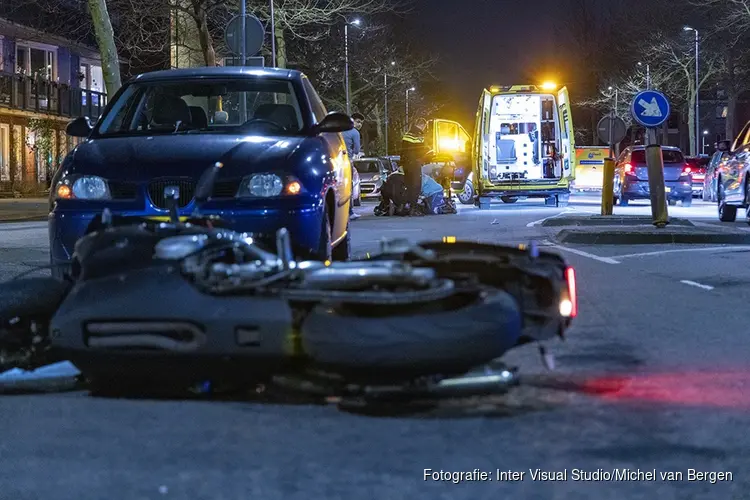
(4, 152)
(36, 60)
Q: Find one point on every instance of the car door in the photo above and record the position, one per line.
(732, 172)
(341, 178)
(480, 147)
(567, 135)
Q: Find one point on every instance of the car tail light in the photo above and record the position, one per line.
(569, 300)
(686, 169)
(629, 170)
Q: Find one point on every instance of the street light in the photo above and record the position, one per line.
(705, 133)
(697, 83)
(412, 89)
(648, 75)
(355, 22)
(385, 82)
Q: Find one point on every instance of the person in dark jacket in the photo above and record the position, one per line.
(413, 153)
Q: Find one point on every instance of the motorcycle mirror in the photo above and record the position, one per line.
(205, 186)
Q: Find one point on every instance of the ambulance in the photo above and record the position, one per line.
(589, 167)
(523, 145)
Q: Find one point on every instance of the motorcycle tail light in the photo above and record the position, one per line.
(569, 300)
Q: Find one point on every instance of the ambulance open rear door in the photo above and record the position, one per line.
(567, 135)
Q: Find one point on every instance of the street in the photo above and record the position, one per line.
(660, 342)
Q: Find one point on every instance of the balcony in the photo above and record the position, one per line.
(24, 93)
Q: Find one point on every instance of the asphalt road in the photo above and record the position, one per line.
(661, 336)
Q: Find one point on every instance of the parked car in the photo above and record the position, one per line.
(372, 173)
(712, 173)
(697, 166)
(631, 176)
(282, 158)
(356, 189)
(733, 177)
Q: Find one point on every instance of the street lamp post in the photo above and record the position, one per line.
(648, 75)
(705, 134)
(273, 37)
(616, 98)
(385, 82)
(356, 22)
(697, 124)
(412, 89)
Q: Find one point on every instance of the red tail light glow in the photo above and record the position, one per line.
(569, 303)
(687, 170)
(629, 170)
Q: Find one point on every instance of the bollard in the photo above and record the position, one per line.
(655, 163)
(608, 186)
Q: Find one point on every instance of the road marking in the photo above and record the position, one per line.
(537, 222)
(606, 260)
(699, 285)
(662, 252)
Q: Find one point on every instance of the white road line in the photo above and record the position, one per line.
(699, 285)
(606, 260)
(662, 252)
(537, 222)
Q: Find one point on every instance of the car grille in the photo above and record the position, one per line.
(157, 186)
(122, 190)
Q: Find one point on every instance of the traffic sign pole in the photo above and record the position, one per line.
(611, 130)
(651, 109)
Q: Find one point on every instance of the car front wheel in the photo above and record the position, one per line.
(466, 197)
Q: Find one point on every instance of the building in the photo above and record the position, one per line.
(45, 81)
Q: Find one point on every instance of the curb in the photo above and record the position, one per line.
(643, 238)
(602, 220)
(29, 218)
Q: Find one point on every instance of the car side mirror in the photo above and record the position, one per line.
(334, 122)
(723, 145)
(80, 127)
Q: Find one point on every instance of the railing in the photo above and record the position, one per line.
(41, 96)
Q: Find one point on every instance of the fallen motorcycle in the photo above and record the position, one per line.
(175, 304)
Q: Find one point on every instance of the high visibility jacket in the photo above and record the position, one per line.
(413, 149)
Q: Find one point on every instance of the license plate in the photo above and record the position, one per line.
(667, 190)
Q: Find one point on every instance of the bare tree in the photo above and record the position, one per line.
(105, 39)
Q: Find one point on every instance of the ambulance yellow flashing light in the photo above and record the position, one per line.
(511, 89)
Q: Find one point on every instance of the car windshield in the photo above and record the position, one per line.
(669, 155)
(270, 107)
(368, 167)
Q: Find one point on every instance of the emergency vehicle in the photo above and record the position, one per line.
(523, 145)
(589, 165)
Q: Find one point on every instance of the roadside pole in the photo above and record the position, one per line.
(651, 109)
(611, 129)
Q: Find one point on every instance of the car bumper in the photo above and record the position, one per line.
(676, 190)
(369, 190)
(302, 219)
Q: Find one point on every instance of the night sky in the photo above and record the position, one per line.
(485, 42)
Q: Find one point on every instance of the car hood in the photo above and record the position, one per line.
(143, 158)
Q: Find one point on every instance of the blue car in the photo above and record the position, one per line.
(284, 160)
(631, 176)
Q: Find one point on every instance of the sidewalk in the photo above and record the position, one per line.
(23, 209)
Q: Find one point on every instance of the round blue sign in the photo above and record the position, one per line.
(650, 108)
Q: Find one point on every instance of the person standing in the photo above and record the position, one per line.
(413, 152)
(353, 141)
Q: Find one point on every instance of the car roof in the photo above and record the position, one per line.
(218, 71)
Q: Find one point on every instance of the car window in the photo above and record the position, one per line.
(368, 167)
(271, 107)
(669, 155)
(318, 108)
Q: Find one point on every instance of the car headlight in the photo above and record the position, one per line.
(86, 187)
(375, 178)
(267, 185)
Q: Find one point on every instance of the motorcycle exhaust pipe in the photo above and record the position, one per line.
(474, 384)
